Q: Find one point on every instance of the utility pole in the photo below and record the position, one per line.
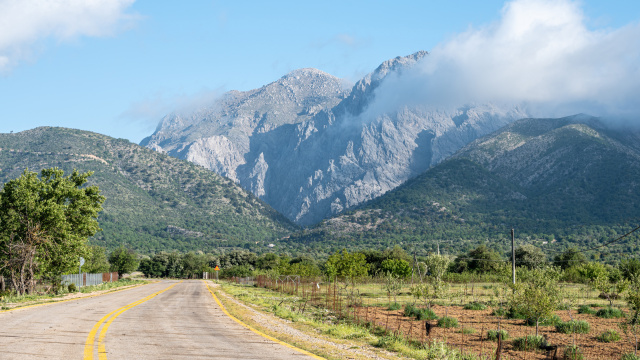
(513, 257)
(413, 268)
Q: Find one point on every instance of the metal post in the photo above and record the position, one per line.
(513, 257)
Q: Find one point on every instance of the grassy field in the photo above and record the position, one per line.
(361, 312)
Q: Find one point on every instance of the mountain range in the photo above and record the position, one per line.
(311, 147)
(563, 182)
(153, 201)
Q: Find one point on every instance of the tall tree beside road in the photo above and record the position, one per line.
(44, 225)
(124, 261)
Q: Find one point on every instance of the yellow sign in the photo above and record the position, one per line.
(217, 268)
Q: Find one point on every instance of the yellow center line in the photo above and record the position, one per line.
(257, 331)
(89, 344)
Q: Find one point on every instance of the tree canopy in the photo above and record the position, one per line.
(44, 224)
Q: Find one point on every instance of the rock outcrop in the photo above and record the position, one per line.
(309, 147)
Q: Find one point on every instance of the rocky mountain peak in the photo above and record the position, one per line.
(300, 145)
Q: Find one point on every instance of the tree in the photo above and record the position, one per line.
(349, 266)
(631, 326)
(434, 286)
(538, 295)
(123, 260)
(530, 256)
(570, 258)
(95, 260)
(397, 267)
(630, 268)
(481, 259)
(44, 225)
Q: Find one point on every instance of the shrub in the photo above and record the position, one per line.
(573, 352)
(609, 336)
(410, 310)
(447, 322)
(585, 309)
(499, 312)
(467, 331)
(610, 313)
(573, 326)
(426, 314)
(419, 314)
(72, 288)
(394, 306)
(529, 342)
(552, 321)
(474, 306)
(493, 334)
(630, 356)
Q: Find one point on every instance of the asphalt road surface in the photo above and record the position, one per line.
(165, 320)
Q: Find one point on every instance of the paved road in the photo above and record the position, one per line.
(182, 321)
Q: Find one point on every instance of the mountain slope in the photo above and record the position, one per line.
(561, 181)
(311, 149)
(153, 201)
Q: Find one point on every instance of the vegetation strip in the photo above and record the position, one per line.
(256, 331)
(79, 298)
(89, 345)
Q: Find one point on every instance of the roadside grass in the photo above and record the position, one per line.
(10, 301)
(324, 325)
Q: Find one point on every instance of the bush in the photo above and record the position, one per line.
(573, 352)
(585, 309)
(426, 314)
(609, 336)
(493, 335)
(630, 356)
(419, 314)
(573, 326)
(394, 306)
(72, 288)
(552, 321)
(447, 322)
(529, 342)
(475, 306)
(610, 313)
(410, 310)
(467, 331)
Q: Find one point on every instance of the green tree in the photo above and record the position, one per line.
(123, 260)
(530, 256)
(537, 296)
(397, 267)
(434, 286)
(44, 225)
(95, 260)
(570, 258)
(349, 266)
(481, 259)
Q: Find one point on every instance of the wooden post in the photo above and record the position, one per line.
(513, 257)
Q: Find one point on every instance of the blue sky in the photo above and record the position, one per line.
(117, 67)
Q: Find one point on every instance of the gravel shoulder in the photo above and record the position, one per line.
(301, 334)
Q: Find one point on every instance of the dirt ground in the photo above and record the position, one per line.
(482, 321)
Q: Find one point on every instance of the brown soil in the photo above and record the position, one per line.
(482, 321)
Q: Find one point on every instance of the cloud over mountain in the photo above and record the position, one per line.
(540, 53)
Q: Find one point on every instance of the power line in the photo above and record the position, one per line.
(603, 245)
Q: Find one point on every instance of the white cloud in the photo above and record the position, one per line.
(539, 53)
(23, 24)
(150, 110)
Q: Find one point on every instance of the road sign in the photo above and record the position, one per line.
(217, 268)
(81, 261)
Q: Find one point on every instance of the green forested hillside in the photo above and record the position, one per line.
(153, 201)
(558, 182)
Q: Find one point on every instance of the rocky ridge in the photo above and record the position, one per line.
(308, 147)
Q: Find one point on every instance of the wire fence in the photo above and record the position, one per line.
(369, 303)
(85, 279)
